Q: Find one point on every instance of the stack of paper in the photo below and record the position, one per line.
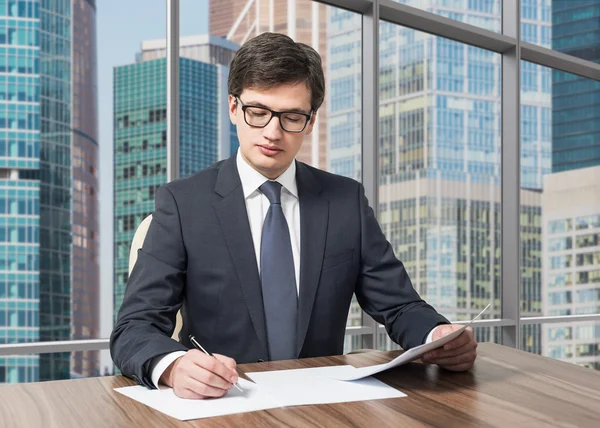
(272, 389)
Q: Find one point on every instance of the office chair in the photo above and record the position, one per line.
(136, 244)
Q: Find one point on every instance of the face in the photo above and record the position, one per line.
(271, 150)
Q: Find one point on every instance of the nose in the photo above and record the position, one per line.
(273, 130)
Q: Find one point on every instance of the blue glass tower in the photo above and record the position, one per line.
(140, 140)
(19, 185)
(38, 221)
(575, 100)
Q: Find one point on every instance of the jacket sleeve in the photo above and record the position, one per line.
(154, 294)
(384, 289)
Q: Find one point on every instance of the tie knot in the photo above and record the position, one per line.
(272, 190)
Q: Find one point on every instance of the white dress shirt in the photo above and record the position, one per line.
(257, 206)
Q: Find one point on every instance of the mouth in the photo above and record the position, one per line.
(269, 150)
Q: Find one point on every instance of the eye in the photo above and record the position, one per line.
(257, 113)
(293, 117)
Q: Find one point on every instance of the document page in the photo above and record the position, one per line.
(314, 386)
(352, 373)
(165, 401)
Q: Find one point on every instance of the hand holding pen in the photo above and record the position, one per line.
(198, 346)
(200, 375)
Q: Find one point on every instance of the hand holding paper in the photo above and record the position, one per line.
(457, 355)
(412, 354)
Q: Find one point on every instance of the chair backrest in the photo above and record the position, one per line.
(136, 244)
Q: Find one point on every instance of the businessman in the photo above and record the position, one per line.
(263, 253)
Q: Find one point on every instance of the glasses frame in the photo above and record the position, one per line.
(276, 114)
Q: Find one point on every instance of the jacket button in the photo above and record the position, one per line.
(260, 360)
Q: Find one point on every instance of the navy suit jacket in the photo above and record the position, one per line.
(199, 256)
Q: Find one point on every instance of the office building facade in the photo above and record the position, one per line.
(571, 275)
(41, 285)
(85, 292)
(302, 20)
(439, 155)
(140, 136)
(575, 99)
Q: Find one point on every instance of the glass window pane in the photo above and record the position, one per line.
(26, 368)
(571, 27)
(49, 139)
(560, 196)
(439, 158)
(133, 98)
(480, 13)
(536, 21)
(572, 342)
(576, 28)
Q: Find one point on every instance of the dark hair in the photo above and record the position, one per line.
(273, 59)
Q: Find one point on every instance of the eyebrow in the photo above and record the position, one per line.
(259, 104)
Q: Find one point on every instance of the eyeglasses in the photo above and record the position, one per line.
(259, 117)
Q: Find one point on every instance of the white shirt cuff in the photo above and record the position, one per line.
(163, 364)
(428, 340)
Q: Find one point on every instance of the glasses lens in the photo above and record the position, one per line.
(293, 122)
(257, 116)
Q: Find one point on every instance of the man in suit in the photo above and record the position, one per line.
(262, 253)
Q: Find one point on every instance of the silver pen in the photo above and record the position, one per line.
(199, 347)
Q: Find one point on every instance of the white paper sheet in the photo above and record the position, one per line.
(313, 386)
(165, 401)
(408, 356)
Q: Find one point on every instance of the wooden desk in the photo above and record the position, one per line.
(507, 388)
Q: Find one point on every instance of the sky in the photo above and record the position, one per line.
(122, 25)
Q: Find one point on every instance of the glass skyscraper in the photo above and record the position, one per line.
(575, 100)
(140, 137)
(439, 156)
(38, 134)
(571, 200)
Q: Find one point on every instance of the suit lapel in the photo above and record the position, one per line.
(314, 215)
(233, 218)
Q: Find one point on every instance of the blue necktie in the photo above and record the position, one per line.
(278, 278)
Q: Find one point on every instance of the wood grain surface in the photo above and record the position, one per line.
(506, 388)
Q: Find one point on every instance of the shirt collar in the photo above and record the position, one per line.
(252, 179)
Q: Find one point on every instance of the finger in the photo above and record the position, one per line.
(215, 366)
(200, 374)
(465, 337)
(229, 362)
(441, 353)
(202, 388)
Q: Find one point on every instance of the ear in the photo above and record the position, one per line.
(233, 106)
(311, 123)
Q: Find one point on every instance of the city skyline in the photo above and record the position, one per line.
(439, 157)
